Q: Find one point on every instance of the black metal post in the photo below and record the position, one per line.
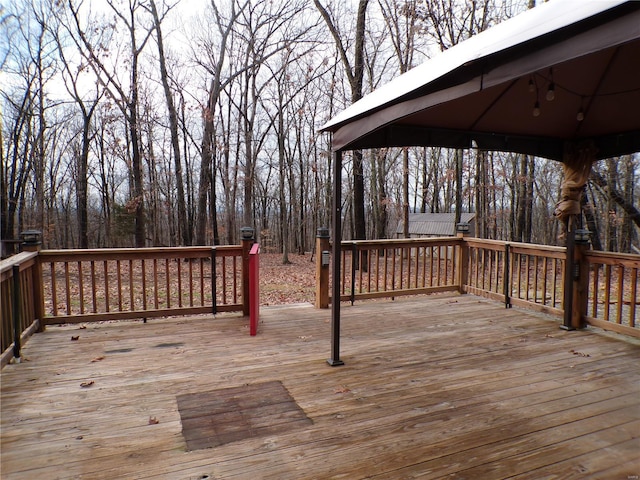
(336, 221)
(355, 262)
(16, 313)
(507, 276)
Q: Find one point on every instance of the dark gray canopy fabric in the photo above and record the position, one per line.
(483, 92)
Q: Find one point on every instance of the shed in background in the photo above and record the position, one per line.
(436, 225)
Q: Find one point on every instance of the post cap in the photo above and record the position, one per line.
(31, 237)
(582, 236)
(463, 227)
(323, 232)
(246, 233)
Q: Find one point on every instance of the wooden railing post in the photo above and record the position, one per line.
(576, 288)
(567, 288)
(463, 231)
(581, 279)
(322, 268)
(31, 243)
(247, 234)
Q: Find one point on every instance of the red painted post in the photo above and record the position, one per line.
(247, 241)
(254, 289)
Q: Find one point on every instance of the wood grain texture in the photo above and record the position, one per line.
(446, 386)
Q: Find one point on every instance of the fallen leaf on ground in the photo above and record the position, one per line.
(342, 390)
(75, 337)
(580, 354)
(97, 359)
(153, 421)
(87, 384)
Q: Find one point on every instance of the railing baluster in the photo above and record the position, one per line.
(235, 280)
(633, 297)
(132, 304)
(179, 267)
(54, 289)
(190, 283)
(369, 254)
(143, 267)
(67, 284)
(607, 291)
(167, 274)
(80, 286)
(555, 282)
(202, 282)
(155, 284)
(544, 280)
(620, 294)
(119, 281)
(224, 280)
(535, 278)
(106, 285)
(355, 260)
(214, 292)
(94, 298)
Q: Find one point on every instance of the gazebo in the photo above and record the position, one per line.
(560, 81)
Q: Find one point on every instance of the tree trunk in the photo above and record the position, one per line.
(173, 127)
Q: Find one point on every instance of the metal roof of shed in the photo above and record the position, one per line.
(434, 224)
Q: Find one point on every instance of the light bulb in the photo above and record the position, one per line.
(580, 115)
(532, 87)
(551, 93)
(536, 109)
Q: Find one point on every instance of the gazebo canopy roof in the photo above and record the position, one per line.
(482, 92)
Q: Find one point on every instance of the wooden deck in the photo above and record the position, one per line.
(434, 387)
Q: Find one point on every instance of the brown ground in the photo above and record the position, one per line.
(281, 284)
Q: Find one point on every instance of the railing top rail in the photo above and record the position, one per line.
(612, 258)
(519, 245)
(399, 242)
(148, 252)
(19, 259)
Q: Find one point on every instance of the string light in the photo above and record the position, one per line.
(580, 114)
(551, 92)
(536, 109)
(532, 87)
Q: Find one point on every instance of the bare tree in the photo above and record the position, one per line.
(124, 94)
(355, 75)
(185, 231)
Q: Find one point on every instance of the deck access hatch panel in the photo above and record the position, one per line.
(210, 419)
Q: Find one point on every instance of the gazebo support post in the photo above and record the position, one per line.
(577, 160)
(568, 277)
(336, 223)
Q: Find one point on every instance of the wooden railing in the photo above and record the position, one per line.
(517, 274)
(393, 268)
(107, 284)
(613, 300)
(20, 310)
(73, 286)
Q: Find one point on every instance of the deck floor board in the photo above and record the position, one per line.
(435, 387)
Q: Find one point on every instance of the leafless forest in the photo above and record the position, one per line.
(162, 123)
